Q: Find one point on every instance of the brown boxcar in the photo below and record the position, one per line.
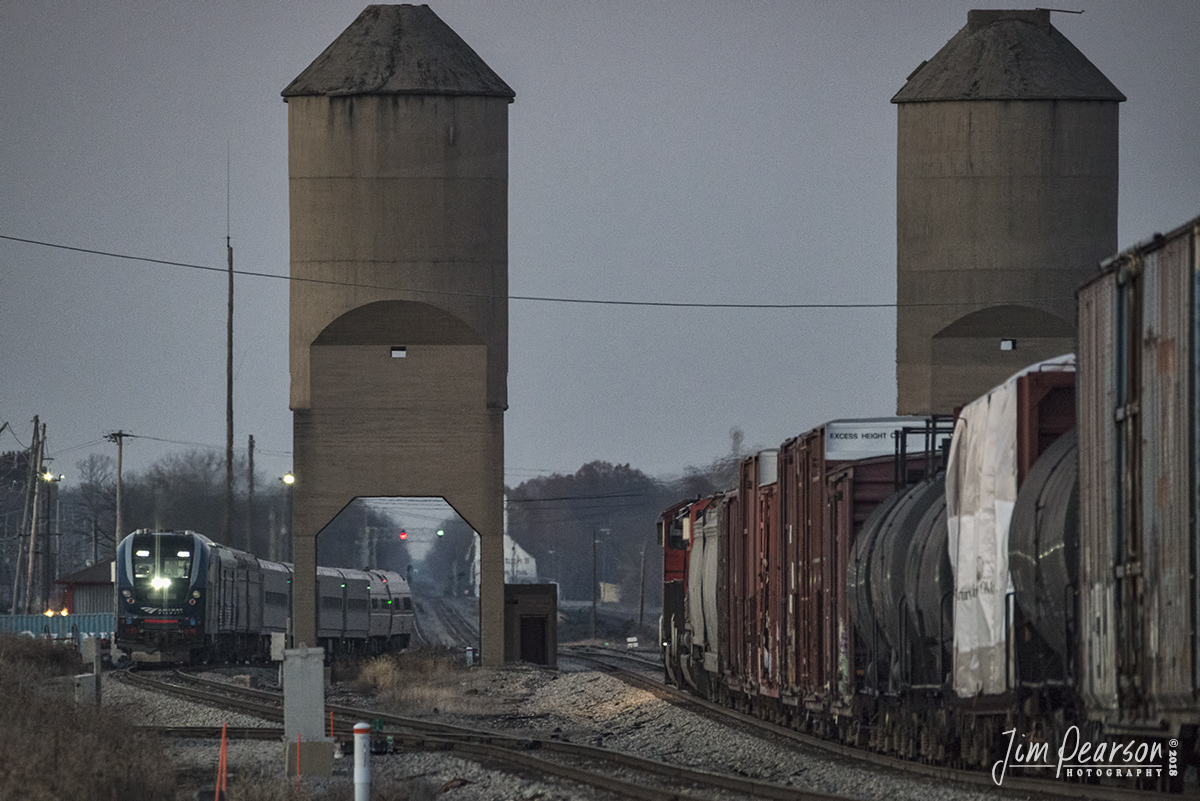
(789, 531)
(753, 584)
(823, 503)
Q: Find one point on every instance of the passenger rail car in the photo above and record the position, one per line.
(183, 598)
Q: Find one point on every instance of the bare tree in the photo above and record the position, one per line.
(95, 513)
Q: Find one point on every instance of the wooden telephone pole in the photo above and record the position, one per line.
(35, 476)
(31, 477)
(119, 438)
(228, 539)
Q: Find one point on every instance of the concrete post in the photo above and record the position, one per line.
(362, 761)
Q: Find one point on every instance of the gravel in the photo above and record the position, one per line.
(572, 703)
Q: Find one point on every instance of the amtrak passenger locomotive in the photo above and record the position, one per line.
(183, 598)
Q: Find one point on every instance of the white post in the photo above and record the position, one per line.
(362, 761)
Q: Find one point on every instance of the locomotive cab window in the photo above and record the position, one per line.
(162, 565)
(675, 538)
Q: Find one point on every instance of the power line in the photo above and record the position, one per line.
(79, 447)
(205, 445)
(16, 439)
(486, 296)
(582, 497)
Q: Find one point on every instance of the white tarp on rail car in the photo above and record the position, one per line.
(981, 489)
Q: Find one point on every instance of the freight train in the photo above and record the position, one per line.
(183, 598)
(1029, 579)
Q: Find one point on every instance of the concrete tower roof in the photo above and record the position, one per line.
(1008, 55)
(398, 50)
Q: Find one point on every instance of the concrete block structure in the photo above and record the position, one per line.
(531, 623)
(1006, 201)
(304, 694)
(398, 190)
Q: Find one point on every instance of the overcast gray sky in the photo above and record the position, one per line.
(706, 151)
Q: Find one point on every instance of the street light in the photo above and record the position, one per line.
(595, 578)
(289, 481)
(53, 539)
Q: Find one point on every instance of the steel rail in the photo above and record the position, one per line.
(456, 624)
(499, 746)
(215, 732)
(268, 711)
(1050, 787)
(719, 781)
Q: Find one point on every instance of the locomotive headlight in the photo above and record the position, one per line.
(160, 583)
(195, 593)
(127, 593)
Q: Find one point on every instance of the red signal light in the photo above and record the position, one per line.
(403, 535)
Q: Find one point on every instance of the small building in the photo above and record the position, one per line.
(88, 592)
(531, 623)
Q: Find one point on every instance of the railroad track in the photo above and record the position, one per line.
(1047, 787)
(457, 624)
(448, 620)
(636, 777)
(214, 732)
(644, 659)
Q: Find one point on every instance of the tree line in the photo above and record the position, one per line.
(556, 518)
(77, 526)
(603, 509)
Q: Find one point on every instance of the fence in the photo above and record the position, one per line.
(94, 625)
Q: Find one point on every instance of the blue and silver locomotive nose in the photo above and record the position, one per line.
(160, 584)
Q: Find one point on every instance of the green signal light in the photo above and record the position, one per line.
(441, 533)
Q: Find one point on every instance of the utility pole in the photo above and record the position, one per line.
(229, 384)
(642, 590)
(51, 535)
(119, 438)
(30, 477)
(250, 499)
(595, 578)
(30, 575)
(595, 586)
